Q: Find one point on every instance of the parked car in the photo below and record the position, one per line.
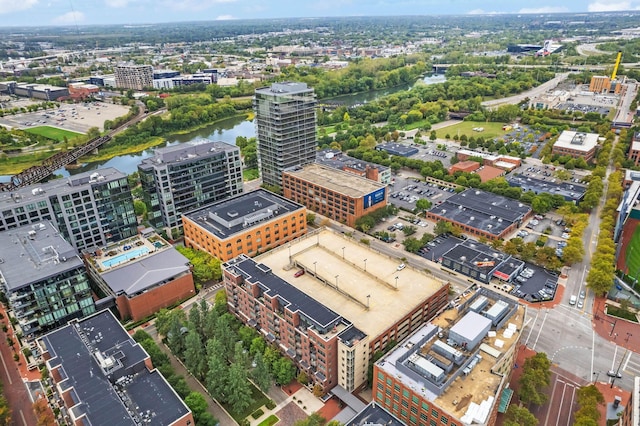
(299, 273)
(401, 266)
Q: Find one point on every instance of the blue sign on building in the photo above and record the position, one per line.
(374, 198)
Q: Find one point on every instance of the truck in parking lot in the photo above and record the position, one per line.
(573, 300)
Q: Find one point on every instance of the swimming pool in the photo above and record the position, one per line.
(124, 257)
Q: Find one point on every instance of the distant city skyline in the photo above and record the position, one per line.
(92, 12)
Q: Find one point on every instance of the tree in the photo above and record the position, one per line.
(175, 337)
(194, 355)
(311, 217)
(423, 204)
(261, 374)
(238, 389)
(217, 376)
(519, 416)
(284, 371)
(44, 415)
(536, 375)
(442, 227)
(313, 420)
(197, 404)
(589, 398)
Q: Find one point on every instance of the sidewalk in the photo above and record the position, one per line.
(298, 404)
(622, 332)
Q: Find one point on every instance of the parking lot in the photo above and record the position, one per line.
(533, 283)
(406, 190)
(78, 117)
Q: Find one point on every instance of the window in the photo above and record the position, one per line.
(444, 420)
(405, 393)
(434, 413)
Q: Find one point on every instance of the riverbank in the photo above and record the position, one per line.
(14, 165)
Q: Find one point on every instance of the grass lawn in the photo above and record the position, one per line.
(52, 133)
(417, 125)
(259, 399)
(633, 254)
(269, 421)
(491, 130)
(250, 174)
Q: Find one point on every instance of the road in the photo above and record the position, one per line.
(532, 93)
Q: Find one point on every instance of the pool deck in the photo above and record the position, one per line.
(115, 250)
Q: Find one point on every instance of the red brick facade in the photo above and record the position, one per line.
(142, 305)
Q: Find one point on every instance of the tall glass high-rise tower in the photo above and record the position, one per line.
(285, 128)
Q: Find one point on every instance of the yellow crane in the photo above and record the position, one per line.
(615, 67)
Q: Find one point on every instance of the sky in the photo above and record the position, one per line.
(87, 12)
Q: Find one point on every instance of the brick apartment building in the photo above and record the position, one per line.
(576, 144)
(454, 370)
(337, 194)
(249, 223)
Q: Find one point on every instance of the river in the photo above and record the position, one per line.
(225, 130)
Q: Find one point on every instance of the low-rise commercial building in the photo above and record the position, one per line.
(576, 144)
(102, 376)
(569, 191)
(504, 162)
(139, 276)
(185, 177)
(481, 213)
(338, 160)
(455, 369)
(330, 303)
(43, 278)
(248, 224)
(401, 150)
(342, 196)
(89, 209)
(45, 92)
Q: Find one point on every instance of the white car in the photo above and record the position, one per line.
(565, 236)
(401, 266)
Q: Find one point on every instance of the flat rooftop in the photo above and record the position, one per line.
(475, 255)
(187, 152)
(482, 210)
(105, 367)
(337, 159)
(71, 184)
(226, 218)
(577, 141)
(460, 388)
(139, 263)
(374, 414)
(568, 190)
(335, 180)
(33, 253)
(321, 252)
(285, 87)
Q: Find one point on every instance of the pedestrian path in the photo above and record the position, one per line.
(302, 397)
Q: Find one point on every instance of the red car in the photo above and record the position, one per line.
(299, 273)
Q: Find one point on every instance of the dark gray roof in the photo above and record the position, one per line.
(72, 184)
(32, 253)
(471, 251)
(187, 152)
(147, 272)
(397, 149)
(374, 414)
(109, 395)
(228, 217)
(482, 210)
(274, 286)
(338, 160)
(570, 191)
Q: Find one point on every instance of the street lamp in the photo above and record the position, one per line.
(365, 265)
(596, 373)
(342, 253)
(396, 282)
(615, 321)
(628, 336)
(315, 273)
(337, 282)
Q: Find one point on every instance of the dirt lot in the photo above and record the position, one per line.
(78, 117)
